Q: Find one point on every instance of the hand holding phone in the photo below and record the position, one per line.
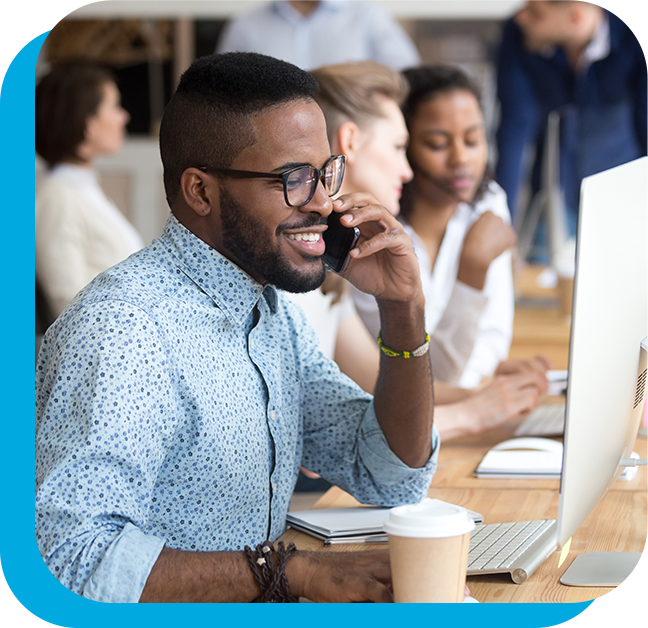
(339, 240)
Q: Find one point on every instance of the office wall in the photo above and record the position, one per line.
(225, 9)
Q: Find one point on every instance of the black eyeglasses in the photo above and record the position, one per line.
(300, 183)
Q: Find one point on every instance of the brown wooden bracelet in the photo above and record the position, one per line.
(270, 576)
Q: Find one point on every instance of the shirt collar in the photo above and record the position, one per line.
(225, 283)
(597, 49)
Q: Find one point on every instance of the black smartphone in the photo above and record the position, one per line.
(339, 240)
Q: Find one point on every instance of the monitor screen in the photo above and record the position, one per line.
(609, 321)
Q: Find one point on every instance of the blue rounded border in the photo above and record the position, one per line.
(25, 571)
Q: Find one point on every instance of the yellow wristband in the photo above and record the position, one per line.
(422, 350)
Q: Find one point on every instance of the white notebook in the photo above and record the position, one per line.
(360, 524)
(520, 464)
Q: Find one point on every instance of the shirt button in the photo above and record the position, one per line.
(274, 486)
(272, 415)
(251, 343)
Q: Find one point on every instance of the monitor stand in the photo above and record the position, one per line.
(600, 569)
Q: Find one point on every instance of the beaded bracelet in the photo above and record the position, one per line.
(422, 350)
(271, 578)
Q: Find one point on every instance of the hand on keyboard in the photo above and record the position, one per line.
(540, 364)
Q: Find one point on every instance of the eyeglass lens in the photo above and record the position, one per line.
(301, 183)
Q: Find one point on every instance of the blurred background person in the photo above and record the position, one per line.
(361, 104)
(458, 220)
(79, 231)
(310, 34)
(581, 60)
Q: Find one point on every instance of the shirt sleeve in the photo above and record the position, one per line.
(454, 337)
(495, 328)
(342, 438)
(519, 112)
(100, 442)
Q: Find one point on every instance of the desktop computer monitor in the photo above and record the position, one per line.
(607, 367)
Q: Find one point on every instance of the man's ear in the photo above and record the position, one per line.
(347, 139)
(199, 191)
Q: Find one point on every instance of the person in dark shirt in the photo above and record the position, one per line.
(585, 63)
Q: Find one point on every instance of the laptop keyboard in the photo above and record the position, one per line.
(543, 421)
(518, 548)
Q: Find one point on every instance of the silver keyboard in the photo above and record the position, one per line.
(543, 421)
(514, 548)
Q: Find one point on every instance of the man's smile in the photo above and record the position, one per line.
(308, 241)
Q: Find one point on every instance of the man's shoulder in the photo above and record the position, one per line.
(622, 38)
(143, 280)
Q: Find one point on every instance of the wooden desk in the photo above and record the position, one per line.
(459, 458)
(618, 523)
(543, 331)
(538, 326)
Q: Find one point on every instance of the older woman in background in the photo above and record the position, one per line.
(79, 232)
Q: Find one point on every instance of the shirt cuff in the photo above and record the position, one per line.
(125, 567)
(464, 294)
(386, 467)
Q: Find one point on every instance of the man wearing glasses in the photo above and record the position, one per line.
(179, 392)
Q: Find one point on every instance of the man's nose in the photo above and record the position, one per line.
(321, 203)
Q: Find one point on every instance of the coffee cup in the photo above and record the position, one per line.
(428, 551)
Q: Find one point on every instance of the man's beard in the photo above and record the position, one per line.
(243, 238)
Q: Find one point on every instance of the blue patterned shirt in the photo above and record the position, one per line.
(176, 398)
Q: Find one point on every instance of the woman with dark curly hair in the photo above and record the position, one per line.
(79, 232)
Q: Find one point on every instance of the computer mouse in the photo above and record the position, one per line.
(531, 443)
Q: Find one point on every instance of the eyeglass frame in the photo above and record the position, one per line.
(250, 174)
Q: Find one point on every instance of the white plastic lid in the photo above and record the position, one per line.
(430, 519)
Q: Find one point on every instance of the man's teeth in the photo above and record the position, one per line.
(307, 237)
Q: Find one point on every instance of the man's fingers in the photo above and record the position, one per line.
(370, 214)
(379, 593)
(349, 201)
(384, 240)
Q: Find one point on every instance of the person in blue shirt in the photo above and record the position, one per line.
(585, 63)
(315, 33)
(180, 391)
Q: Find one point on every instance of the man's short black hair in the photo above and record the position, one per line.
(207, 122)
